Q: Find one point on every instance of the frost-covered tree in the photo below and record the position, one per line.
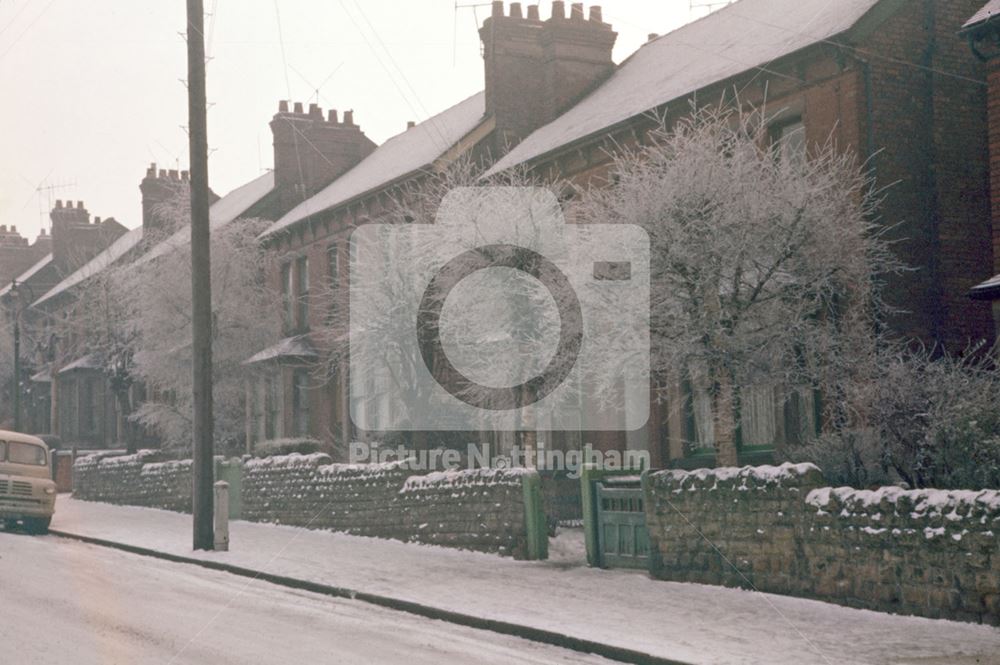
(498, 328)
(245, 315)
(765, 268)
(100, 323)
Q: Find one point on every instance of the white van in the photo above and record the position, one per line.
(27, 493)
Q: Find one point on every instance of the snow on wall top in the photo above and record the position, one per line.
(221, 213)
(989, 11)
(952, 504)
(457, 478)
(745, 35)
(741, 478)
(106, 258)
(291, 460)
(402, 154)
(27, 274)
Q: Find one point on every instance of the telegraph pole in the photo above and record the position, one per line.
(201, 286)
(16, 388)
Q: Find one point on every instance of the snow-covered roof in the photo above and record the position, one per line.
(290, 347)
(29, 273)
(90, 361)
(404, 153)
(743, 36)
(106, 258)
(988, 290)
(42, 376)
(223, 211)
(990, 11)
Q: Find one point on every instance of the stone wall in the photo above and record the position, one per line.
(931, 553)
(480, 510)
(484, 510)
(134, 480)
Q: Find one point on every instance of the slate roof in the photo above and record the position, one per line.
(414, 149)
(222, 212)
(106, 258)
(990, 11)
(29, 273)
(291, 347)
(742, 36)
(988, 290)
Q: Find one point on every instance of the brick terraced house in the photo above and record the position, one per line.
(892, 81)
(888, 80)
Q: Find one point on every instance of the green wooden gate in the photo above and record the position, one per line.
(623, 540)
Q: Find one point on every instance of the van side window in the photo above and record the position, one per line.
(3, 451)
(25, 453)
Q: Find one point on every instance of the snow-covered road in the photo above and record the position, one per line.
(68, 602)
(686, 622)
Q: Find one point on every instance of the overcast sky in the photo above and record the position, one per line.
(91, 91)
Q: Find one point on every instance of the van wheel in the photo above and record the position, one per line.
(37, 525)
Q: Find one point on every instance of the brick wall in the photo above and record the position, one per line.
(924, 552)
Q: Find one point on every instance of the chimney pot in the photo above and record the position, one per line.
(558, 9)
(163, 173)
(410, 124)
(576, 11)
(298, 107)
(79, 205)
(349, 117)
(498, 8)
(315, 111)
(59, 203)
(331, 116)
(533, 12)
(185, 175)
(283, 106)
(596, 14)
(173, 174)
(3, 228)
(515, 10)
(651, 36)
(13, 229)
(97, 220)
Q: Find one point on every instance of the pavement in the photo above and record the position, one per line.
(622, 615)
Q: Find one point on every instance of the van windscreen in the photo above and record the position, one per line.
(25, 453)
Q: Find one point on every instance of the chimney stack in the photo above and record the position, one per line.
(311, 150)
(410, 124)
(535, 70)
(158, 187)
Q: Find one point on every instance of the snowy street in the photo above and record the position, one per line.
(691, 623)
(69, 602)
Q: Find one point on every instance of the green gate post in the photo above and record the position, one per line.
(535, 521)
